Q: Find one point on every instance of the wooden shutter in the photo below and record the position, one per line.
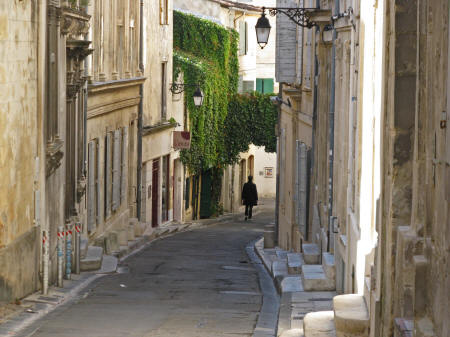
(98, 185)
(286, 63)
(108, 167)
(116, 170)
(267, 85)
(124, 166)
(91, 187)
(249, 86)
(303, 187)
(259, 85)
(242, 38)
(308, 58)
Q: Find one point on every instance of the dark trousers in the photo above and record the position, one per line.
(248, 211)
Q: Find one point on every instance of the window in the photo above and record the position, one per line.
(164, 91)
(108, 173)
(165, 188)
(243, 38)
(164, 12)
(264, 85)
(93, 211)
(248, 86)
(187, 193)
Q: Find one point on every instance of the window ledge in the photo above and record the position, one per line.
(151, 129)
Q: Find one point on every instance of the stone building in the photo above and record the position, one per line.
(43, 168)
(113, 101)
(379, 193)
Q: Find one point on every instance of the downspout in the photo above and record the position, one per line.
(277, 192)
(140, 113)
(331, 125)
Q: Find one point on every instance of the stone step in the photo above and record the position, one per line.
(93, 259)
(351, 317)
(295, 262)
(328, 265)
(109, 265)
(311, 253)
(84, 243)
(291, 284)
(279, 268)
(293, 333)
(314, 278)
(281, 254)
(319, 324)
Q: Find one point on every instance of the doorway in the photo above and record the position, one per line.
(155, 192)
(177, 190)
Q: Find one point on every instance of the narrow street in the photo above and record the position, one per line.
(196, 283)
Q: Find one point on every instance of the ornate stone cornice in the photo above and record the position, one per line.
(54, 155)
(74, 22)
(81, 188)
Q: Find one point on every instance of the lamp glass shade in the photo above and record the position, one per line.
(262, 30)
(198, 97)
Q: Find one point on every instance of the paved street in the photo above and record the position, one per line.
(196, 283)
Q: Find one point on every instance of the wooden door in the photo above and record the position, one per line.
(155, 192)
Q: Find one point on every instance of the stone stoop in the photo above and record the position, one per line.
(311, 253)
(293, 333)
(295, 262)
(319, 324)
(328, 265)
(351, 317)
(93, 259)
(315, 279)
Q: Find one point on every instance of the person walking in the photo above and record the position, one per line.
(249, 197)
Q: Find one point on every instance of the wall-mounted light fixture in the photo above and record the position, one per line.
(178, 88)
(301, 17)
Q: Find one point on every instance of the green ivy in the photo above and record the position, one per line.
(206, 53)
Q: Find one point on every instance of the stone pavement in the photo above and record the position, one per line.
(200, 282)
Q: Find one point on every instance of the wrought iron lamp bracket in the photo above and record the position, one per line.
(301, 16)
(178, 88)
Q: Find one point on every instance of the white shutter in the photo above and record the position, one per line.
(98, 185)
(303, 187)
(286, 54)
(308, 58)
(91, 187)
(108, 182)
(124, 170)
(116, 170)
(297, 183)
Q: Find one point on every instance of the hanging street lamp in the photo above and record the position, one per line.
(178, 88)
(301, 17)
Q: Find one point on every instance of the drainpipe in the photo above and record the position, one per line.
(331, 126)
(277, 193)
(140, 113)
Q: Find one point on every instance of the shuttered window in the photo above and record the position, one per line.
(116, 172)
(108, 173)
(308, 58)
(286, 39)
(264, 85)
(124, 166)
(301, 184)
(243, 38)
(91, 186)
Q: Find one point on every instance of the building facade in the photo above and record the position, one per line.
(379, 156)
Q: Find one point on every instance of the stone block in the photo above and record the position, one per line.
(269, 239)
(351, 316)
(319, 324)
(84, 243)
(139, 229)
(295, 262)
(112, 242)
(93, 259)
(123, 237)
(279, 268)
(311, 253)
(291, 284)
(328, 265)
(130, 233)
(314, 279)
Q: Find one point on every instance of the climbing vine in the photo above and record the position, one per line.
(206, 53)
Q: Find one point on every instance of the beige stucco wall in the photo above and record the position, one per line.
(18, 148)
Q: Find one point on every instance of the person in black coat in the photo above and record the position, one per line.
(249, 197)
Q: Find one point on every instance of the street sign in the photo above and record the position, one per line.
(181, 140)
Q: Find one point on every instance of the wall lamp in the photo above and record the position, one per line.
(278, 100)
(301, 17)
(178, 88)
